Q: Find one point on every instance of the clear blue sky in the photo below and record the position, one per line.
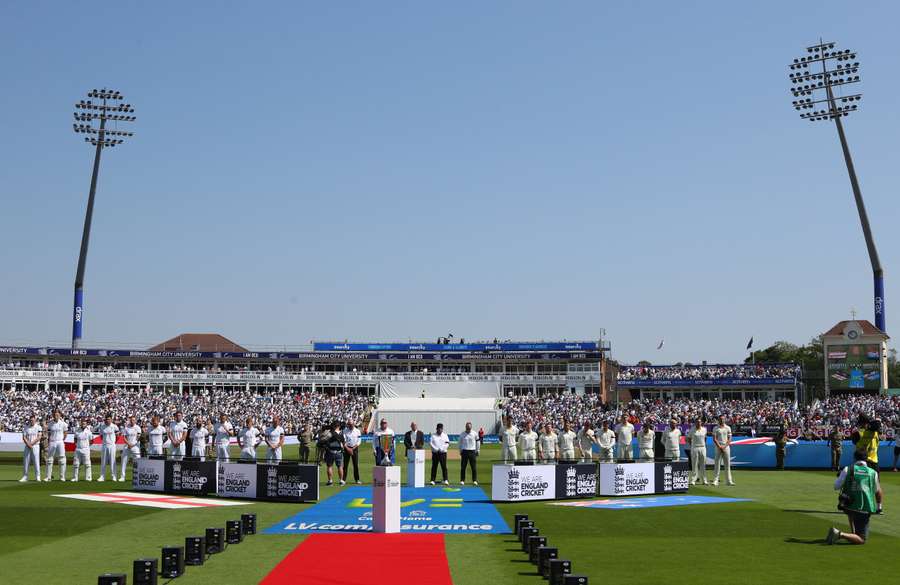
(372, 170)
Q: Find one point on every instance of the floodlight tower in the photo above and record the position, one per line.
(109, 107)
(823, 69)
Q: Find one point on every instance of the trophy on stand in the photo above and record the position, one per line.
(385, 486)
(386, 443)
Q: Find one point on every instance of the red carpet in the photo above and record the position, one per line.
(363, 559)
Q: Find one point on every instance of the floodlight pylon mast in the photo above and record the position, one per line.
(844, 69)
(100, 137)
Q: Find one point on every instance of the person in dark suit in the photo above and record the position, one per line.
(414, 438)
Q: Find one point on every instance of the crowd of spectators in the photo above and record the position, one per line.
(709, 372)
(295, 409)
(835, 412)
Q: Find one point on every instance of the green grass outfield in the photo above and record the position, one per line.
(779, 535)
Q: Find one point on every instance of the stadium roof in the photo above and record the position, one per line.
(866, 326)
(198, 342)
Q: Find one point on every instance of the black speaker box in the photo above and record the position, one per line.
(526, 534)
(234, 532)
(559, 568)
(194, 550)
(523, 524)
(145, 572)
(215, 540)
(112, 579)
(575, 580)
(533, 543)
(545, 555)
(516, 519)
(248, 523)
(172, 561)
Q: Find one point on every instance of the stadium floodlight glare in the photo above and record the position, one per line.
(91, 119)
(814, 78)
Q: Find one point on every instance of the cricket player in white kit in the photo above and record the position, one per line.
(606, 442)
(508, 436)
(624, 436)
(198, 439)
(177, 432)
(548, 445)
(722, 439)
(157, 434)
(274, 437)
(56, 431)
(528, 443)
(222, 431)
(584, 440)
(645, 440)
(108, 431)
(31, 437)
(697, 438)
(567, 443)
(672, 441)
(82, 454)
(131, 450)
(248, 439)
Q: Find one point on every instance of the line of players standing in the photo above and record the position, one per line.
(527, 446)
(158, 440)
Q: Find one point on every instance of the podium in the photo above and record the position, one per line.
(415, 468)
(386, 499)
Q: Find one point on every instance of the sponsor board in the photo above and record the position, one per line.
(651, 502)
(521, 483)
(148, 475)
(627, 479)
(236, 480)
(576, 480)
(287, 482)
(422, 510)
(646, 478)
(190, 477)
(151, 500)
(672, 477)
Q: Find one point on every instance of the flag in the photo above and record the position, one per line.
(661, 342)
(750, 343)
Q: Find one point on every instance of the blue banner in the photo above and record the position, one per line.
(800, 454)
(699, 382)
(759, 452)
(457, 347)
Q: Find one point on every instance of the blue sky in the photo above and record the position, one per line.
(386, 171)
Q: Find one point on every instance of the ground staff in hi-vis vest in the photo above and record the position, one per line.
(860, 497)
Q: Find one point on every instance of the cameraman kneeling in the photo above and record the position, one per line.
(860, 497)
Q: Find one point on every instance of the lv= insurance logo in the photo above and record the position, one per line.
(433, 503)
(461, 511)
